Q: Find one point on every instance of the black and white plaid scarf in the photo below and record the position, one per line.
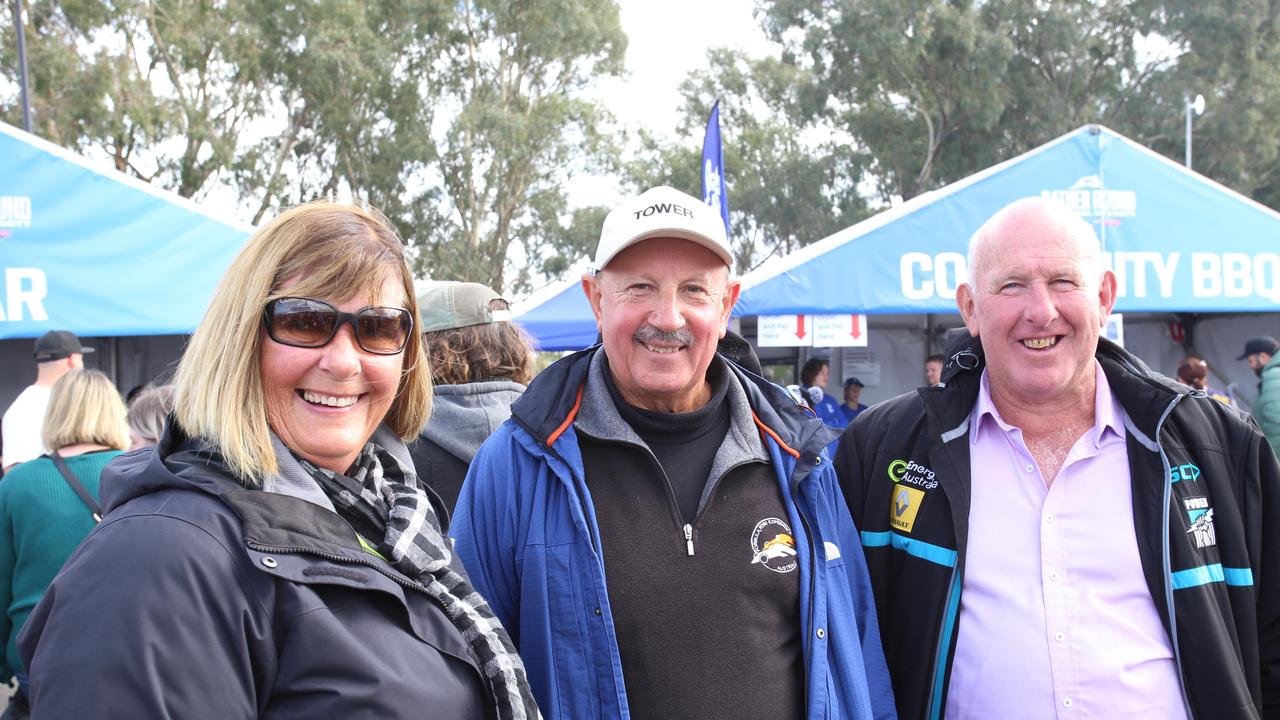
(385, 505)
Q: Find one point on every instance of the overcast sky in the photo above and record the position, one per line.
(667, 39)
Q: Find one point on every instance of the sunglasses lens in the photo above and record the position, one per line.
(302, 323)
(382, 329)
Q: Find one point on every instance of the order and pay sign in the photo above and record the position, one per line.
(811, 330)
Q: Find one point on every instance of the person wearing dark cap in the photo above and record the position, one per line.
(57, 352)
(480, 364)
(1260, 353)
(850, 408)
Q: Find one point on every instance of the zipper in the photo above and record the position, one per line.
(813, 569)
(1166, 557)
(575, 486)
(394, 577)
(949, 614)
(688, 538)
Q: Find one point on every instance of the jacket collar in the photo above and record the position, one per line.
(1144, 394)
(556, 395)
(599, 418)
(278, 519)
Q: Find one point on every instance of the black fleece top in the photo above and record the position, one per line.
(708, 623)
(684, 444)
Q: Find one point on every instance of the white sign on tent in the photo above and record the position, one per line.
(784, 331)
(839, 330)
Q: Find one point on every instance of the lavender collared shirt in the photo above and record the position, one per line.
(1056, 620)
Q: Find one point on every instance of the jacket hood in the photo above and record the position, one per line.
(464, 416)
(1143, 393)
(555, 395)
(175, 462)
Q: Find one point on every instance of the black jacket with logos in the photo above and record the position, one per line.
(1224, 598)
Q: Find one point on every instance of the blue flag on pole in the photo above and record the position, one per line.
(713, 192)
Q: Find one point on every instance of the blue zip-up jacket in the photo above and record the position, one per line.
(526, 531)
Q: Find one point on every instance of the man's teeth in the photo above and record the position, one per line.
(1040, 343)
(654, 348)
(330, 400)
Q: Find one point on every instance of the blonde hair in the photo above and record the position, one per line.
(85, 407)
(327, 250)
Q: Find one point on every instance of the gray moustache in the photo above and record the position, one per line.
(651, 334)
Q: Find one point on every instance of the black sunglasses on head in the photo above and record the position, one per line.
(308, 323)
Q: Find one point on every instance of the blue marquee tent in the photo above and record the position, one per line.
(99, 253)
(1177, 241)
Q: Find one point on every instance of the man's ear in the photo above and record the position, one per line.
(591, 287)
(1107, 295)
(967, 303)
(727, 303)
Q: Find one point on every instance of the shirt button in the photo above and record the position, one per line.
(1060, 637)
(1066, 702)
(1031, 468)
(1053, 574)
(821, 633)
(1048, 518)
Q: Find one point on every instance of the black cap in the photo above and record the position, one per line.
(1261, 344)
(853, 381)
(58, 344)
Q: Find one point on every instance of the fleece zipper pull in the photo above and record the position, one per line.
(688, 538)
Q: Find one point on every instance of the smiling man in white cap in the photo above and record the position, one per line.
(661, 531)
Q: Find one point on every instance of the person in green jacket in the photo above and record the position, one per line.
(1260, 353)
(42, 520)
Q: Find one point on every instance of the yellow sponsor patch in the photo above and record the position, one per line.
(904, 503)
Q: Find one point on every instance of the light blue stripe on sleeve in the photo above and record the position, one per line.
(1238, 576)
(916, 548)
(1194, 577)
(1205, 574)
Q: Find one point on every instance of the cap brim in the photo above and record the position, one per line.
(678, 233)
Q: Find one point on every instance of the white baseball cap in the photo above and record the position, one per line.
(662, 212)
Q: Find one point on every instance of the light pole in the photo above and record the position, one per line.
(23, 83)
(1196, 106)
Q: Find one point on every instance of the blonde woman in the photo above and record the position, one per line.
(42, 518)
(275, 556)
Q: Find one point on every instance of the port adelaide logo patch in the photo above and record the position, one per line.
(773, 546)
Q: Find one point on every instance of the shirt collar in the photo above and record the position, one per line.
(1108, 415)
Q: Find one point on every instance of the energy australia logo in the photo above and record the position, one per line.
(910, 472)
(15, 211)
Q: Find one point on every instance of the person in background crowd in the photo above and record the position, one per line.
(1058, 531)
(147, 413)
(933, 370)
(1193, 372)
(813, 383)
(658, 527)
(480, 364)
(851, 408)
(42, 516)
(275, 556)
(57, 352)
(1260, 353)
